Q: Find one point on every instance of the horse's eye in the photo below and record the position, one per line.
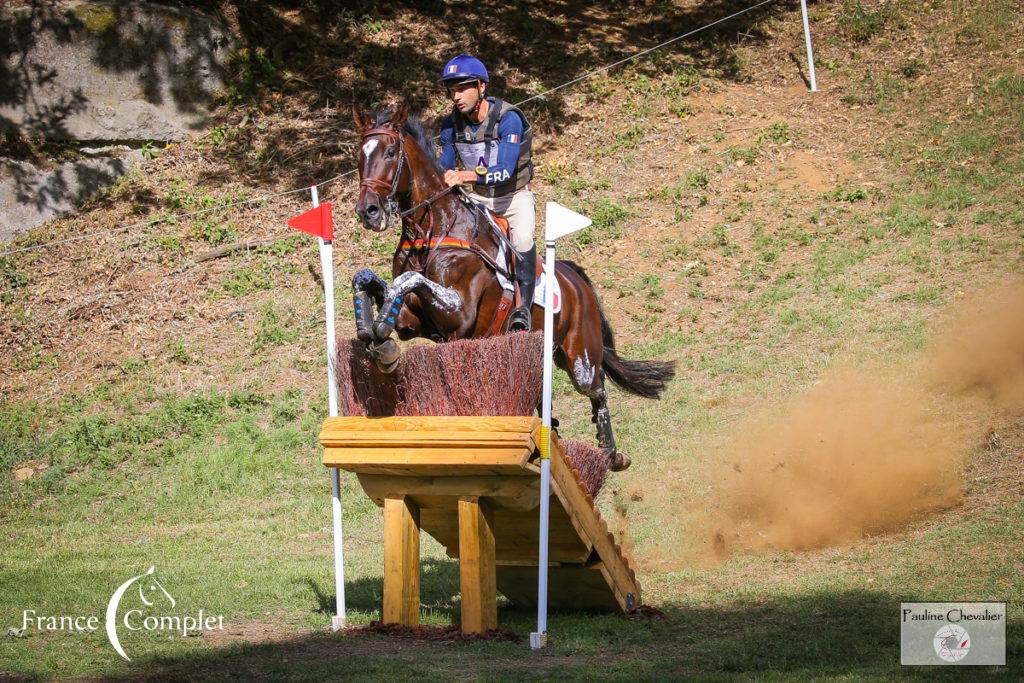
(390, 154)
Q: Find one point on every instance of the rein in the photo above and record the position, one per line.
(430, 244)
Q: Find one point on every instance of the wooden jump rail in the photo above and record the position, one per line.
(473, 484)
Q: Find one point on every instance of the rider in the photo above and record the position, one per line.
(493, 139)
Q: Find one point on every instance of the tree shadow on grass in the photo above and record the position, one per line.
(849, 633)
(439, 588)
(306, 63)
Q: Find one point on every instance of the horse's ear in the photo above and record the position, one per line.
(400, 115)
(361, 118)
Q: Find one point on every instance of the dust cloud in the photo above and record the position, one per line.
(864, 451)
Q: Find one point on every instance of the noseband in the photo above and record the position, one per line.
(392, 211)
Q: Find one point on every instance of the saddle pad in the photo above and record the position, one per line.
(538, 293)
(542, 278)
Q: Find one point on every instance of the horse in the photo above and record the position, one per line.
(446, 268)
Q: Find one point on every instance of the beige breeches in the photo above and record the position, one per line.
(520, 210)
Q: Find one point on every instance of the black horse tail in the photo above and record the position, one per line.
(645, 378)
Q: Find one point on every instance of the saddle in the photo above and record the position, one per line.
(510, 288)
(509, 296)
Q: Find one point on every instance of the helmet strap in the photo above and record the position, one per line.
(479, 100)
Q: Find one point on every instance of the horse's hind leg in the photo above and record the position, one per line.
(602, 417)
(588, 379)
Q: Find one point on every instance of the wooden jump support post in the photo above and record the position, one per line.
(473, 484)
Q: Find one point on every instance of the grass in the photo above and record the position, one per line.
(247, 279)
(874, 89)
(864, 21)
(12, 280)
(607, 217)
(230, 452)
(274, 328)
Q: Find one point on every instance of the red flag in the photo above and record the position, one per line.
(318, 222)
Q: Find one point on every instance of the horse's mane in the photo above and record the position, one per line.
(415, 127)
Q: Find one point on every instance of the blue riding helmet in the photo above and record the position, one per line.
(463, 68)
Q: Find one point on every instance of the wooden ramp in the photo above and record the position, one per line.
(473, 483)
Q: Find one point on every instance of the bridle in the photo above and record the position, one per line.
(391, 209)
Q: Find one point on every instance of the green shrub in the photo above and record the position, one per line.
(607, 217)
(862, 23)
(273, 329)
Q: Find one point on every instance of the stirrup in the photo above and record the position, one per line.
(520, 320)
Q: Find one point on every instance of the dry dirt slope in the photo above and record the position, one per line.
(709, 183)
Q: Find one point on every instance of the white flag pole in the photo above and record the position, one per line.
(539, 639)
(327, 269)
(559, 221)
(810, 50)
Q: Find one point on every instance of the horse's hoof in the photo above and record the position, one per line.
(386, 355)
(519, 321)
(620, 461)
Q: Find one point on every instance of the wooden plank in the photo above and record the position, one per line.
(426, 439)
(477, 566)
(461, 425)
(519, 493)
(401, 562)
(435, 471)
(577, 503)
(510, 461)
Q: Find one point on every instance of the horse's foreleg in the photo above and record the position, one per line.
(442, 298)
(367, 289)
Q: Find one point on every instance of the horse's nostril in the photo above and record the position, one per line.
(372, 210)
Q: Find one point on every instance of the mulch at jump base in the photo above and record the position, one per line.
(452, 634)
(645, 613)
(501, 375)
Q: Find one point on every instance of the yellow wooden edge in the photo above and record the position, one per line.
(446, 423)
(506, 457)
(586, 519)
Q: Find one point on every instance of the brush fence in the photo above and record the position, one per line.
(473, 483)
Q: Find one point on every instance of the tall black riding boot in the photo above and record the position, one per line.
(526, 277)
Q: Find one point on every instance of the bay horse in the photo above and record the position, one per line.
(445, 270)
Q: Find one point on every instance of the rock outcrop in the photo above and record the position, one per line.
(108, 71)
(30, 196)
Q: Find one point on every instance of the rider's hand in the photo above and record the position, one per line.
(453, 178)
